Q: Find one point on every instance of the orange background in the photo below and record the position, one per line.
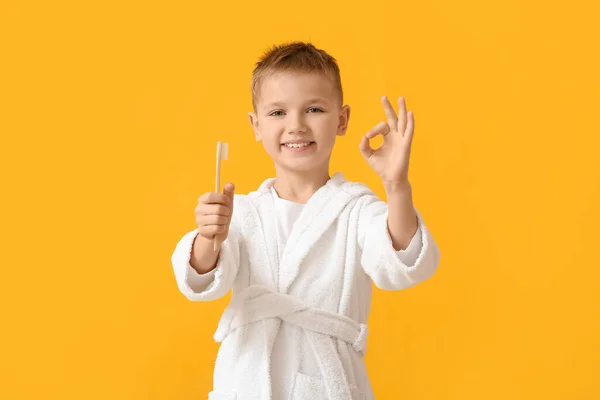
(109, 117)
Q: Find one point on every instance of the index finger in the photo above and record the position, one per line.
(390, 113)
(214, 198)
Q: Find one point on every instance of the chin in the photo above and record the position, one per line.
(301, 165)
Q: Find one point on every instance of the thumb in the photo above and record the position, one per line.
(229, 190)
(381, 128)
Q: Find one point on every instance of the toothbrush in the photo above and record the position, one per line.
(222, 150)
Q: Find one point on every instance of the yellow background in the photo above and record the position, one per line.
(109, 117)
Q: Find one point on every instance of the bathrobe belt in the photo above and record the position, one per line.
(257, 303)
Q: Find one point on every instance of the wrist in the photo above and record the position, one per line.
(203, 258)
(397, 187)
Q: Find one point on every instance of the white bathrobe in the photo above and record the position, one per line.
(296, 324)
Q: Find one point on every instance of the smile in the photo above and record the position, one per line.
(298, 147)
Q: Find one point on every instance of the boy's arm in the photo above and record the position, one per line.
(384, 228)
(402, 218)
(203, 257)
(406, 236)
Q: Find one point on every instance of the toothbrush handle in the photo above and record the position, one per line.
(216, 244)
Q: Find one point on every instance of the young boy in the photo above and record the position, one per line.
(300, 253)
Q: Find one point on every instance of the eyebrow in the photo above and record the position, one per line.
(280, 104)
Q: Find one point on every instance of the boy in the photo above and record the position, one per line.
(301, 252)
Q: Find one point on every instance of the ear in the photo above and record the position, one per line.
(343, 120)
(254, 123)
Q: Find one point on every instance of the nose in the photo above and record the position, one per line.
(296, 123)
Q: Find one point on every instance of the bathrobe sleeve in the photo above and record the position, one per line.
(216, 283)
(409, 255)
(388, 268)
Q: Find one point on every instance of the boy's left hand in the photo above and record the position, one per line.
(391, 159)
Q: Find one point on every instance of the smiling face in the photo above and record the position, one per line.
(298, 116)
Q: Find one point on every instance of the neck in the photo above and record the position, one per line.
(299, 186)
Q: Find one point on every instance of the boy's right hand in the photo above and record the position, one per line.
(213, 213)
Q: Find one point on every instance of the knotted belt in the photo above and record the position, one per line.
(322, 327)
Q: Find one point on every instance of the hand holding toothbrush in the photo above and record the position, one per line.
(213, 216)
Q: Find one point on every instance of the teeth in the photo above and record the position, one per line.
(296, 145)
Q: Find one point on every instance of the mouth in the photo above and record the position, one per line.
(297, 145)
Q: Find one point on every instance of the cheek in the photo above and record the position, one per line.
(271, 138)
(328, 129)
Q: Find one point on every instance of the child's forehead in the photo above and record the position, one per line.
(295, 85)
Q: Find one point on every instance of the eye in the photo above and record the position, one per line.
(276, 113)
(315, 109)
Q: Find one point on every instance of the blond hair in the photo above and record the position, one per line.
(295, 57)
